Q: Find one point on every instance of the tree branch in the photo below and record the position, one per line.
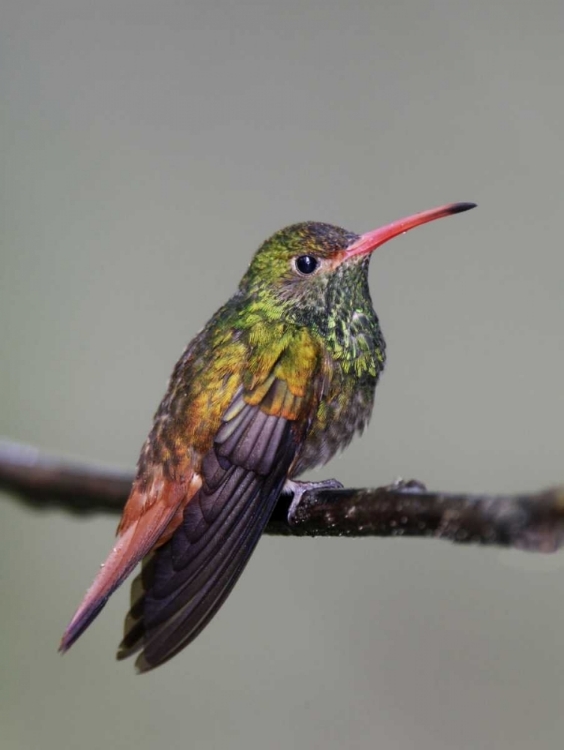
(530, 521)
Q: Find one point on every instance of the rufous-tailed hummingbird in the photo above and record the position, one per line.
(280, 378)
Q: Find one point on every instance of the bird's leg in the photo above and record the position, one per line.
(298, 489)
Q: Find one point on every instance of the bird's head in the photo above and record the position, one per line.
(304, 269)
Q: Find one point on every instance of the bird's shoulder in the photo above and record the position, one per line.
(274, 365)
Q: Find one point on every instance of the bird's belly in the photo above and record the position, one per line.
(337, 421)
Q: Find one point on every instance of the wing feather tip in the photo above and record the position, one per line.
(124, 652)
(142, 666)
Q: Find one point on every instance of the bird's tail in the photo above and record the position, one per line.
(132, 544)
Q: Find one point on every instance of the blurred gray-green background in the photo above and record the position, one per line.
(147, 148)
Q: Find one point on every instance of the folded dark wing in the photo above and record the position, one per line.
(184, 582)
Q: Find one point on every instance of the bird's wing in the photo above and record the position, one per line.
(184, 582)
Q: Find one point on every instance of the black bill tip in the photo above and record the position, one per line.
(458, 208)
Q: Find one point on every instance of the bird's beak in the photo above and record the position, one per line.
(368, 242)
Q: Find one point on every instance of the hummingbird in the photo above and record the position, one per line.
(281, 378)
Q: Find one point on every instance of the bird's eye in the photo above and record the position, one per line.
(306, 264)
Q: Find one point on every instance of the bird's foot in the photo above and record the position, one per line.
(298, 489)
(406, 484)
